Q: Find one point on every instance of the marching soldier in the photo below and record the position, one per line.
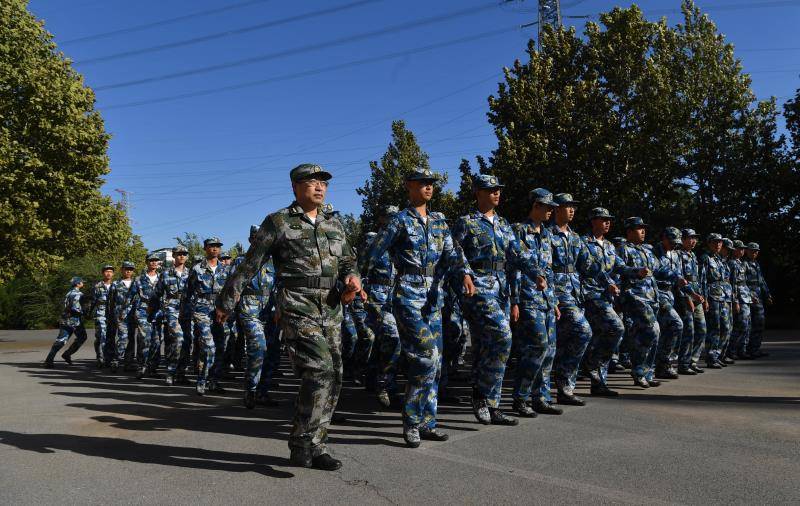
(98, 308)
(713, 276)
(740, 334)
(759, 294)
(141, 295)
(170, 297)
(71, 322)
(120, 312)
(692, 308)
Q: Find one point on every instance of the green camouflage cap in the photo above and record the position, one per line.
(738, 244)
(212, 241)
(76, 281)
(634, 222)
(107, 267)
(689, 232)
(600, 212)
(753, 246)
(128, 265)
(671, 233)
(180, 248)
(486, 182)
(422, 175)
(713, 236)
(727, 243)
(309, 171)
(565, 200)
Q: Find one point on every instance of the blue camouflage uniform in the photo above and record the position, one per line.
(607, 326)
(740, 335)
(101, 327)
(455, 331)
(669, 320)
(489, 246)
(694, 321)
(535, 331)
(120, 313)
(730, 297)
(204, 286)
(640, 302)
(171, 298)
(571, 260)
(423, 254)
(759, 294)
(142, 292)
(71, 322)
(715, 280)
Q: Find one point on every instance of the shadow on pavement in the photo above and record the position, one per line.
(131, 451)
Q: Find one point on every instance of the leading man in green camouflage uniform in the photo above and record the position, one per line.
(315, 272)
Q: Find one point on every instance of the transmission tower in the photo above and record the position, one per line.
(549, 15)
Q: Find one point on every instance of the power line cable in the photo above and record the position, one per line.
(228, 33)
(302, 49)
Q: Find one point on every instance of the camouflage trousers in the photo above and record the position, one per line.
(742, 321)
(694, 333)
(387, 344)
(644, 334)
(179, 331)
(573, 335)
(146, 338)
(64, 333)
(535, 343)
(454, 341)
(357, 339)
(607, 332)
(757, 323)
(490, 332)
(255, 340)
(669, 341)
(272, 358)
(315, 351)
(719, 324)
(211, 344)
(101, 350)
(420, 326)
(123, 329)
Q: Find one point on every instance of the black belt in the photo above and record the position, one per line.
(488, 265)
(664, 285)
(208, 296)
(564, 270)
(308, 282)
(418, 271)
(380, 281)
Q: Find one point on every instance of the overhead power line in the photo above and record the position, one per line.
(229, 33)
(163, 22)
(303, 49)
(317, 71)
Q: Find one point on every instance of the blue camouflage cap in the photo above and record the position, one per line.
(486, 182)
(689, 232)
(422, 175)
(727, 243)
(180, 248)
(225, 256)
(541, 196)
(152, 256)
(753, 246)
(671, 233)
(212, 241)
(128, 265)
(600, 212)
(738, 244)
(634, 222)
(77, 280)
(107, 267)
(713, 236)
(564, 200)
(309, 171)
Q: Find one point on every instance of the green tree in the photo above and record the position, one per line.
(386, 183)
(52, 156)
(192, 242)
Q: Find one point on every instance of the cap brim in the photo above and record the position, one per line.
(605, 217)
(321, 175)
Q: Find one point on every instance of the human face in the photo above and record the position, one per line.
(310, 192)
(487, 198)
(152, 265)
(738, 253)
(420, 192)
(179, 259)
(715, 246)
(127, 273)
(565, 214)
(689, 243)
(601, 226)
(541, 212)
(752, 254)
(108, 275)
(636, 235)
(212, 251)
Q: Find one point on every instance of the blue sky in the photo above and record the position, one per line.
(322, 88)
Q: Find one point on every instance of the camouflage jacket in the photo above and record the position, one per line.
(205, 284)
(715, 278)
(759, 291)
(170, 292)
(119, 301)
(303, 251)
(142, 291)
(379, 278)
(643, 289)
(536, 259)
(691, 272)
(489, 249)
(605, 256)
(571, 260)
(72, 313)
(741, 291)
(668, 289)
(423, 254)
(100, 299)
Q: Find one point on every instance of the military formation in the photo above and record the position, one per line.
(537, 302)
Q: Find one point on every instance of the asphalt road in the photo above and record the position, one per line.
(73, 435)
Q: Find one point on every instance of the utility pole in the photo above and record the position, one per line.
(549, 15)
(123, 198)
